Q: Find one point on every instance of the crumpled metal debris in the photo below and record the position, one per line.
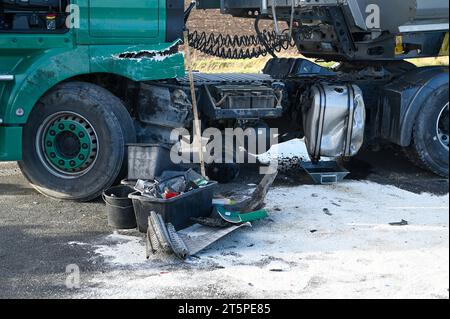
(256, 201)
(164, 239)
(401, 223)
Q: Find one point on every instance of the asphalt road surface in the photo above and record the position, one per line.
(36, 232)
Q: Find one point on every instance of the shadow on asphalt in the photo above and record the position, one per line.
(15, 190)
(391, 167)
(33, 261)
(386, 167)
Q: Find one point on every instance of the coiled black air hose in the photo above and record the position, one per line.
(241, 47)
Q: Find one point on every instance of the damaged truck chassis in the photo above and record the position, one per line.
(81, 79)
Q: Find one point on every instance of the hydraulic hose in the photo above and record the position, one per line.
(241, 47)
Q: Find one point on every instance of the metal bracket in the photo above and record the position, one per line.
(325, 173)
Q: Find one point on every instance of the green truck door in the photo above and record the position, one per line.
(124, 19)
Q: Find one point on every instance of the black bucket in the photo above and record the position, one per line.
(119, 207)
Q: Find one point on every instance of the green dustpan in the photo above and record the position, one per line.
(238, 217)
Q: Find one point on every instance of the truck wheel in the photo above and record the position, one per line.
(121, 113)
(429, 148)
(74, 142)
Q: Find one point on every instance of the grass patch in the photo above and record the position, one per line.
(216, 65)
(430, 61)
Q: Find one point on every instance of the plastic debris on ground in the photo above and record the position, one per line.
(171, 184)
(164, 239)
(235, 217)
(223, 201)
(256, 201)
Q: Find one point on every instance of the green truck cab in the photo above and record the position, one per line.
(98, 33)
(52, 50)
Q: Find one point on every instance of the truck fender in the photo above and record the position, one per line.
(403, 99)
(37, 74)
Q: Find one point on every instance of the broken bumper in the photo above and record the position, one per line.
(140, 62)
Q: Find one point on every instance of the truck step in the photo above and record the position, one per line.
(325, 173)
